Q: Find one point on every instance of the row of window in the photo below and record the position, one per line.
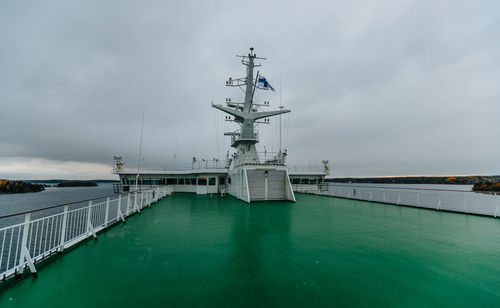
(203, 181)
(176, 181)
(307, 181)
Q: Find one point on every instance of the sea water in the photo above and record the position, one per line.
(17, 203)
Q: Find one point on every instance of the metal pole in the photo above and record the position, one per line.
(118, 208)
(89, 213)
(63, 228)
(140, 150)
(106, 215)
(281, 107)
(24, 240)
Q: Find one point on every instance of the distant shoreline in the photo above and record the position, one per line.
(447, 180)
(57, 181)
(74, 183)
(28, 186)
(18, 187)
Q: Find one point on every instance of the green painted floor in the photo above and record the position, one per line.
(190, 250)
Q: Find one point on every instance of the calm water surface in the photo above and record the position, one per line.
(14, 203)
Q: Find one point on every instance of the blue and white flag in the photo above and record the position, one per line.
(264, 84)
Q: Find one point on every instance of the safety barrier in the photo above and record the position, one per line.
(437, 199)
(47, 231)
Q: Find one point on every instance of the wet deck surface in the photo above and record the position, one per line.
(193, 250)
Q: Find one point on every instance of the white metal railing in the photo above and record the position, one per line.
(311, 168)
(200, 164)
(437, 199)
(25, 243)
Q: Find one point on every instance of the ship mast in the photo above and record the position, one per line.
(247, 114)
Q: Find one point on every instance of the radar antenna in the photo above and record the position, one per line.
(247, 113)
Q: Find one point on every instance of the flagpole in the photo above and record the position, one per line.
(140, 150)
(281, 107)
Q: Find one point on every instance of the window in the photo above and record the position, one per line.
(304, 181)
(295, 181)
(222, 180)
(180, 181)
(171, 181)
(211, 181)
(193, 181)
(229, 180)
(202, 181)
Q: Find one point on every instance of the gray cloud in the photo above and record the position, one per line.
(379, 88)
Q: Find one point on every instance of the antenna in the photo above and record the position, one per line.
(281, 108)
(247, 113)
(140, 150)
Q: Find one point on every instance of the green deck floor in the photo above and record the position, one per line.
(190, 250)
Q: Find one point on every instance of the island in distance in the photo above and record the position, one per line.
(76, 183)
(26, 186)
(481, 183)
(15, 187)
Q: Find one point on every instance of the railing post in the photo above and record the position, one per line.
(128, 203)
(439, 202)
(136, 206)
(63, 228)
(106, 214)
(399, 197)
(119, 209)
(88, 218)
(135, 202)
(90, 228)
(465, 201)
(25, 255)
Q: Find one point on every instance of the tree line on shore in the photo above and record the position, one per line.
(75, 183)
(12, 187)
(480, 182)
(486, 186)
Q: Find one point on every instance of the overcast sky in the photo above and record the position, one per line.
(380, 88)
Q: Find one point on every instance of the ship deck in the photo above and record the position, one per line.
(191, 250)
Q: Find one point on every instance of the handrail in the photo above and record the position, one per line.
(24, 244)
(407, 188)
(59, 205)
(53, 206)
(460, 201)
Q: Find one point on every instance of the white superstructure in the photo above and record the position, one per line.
(245, 175)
